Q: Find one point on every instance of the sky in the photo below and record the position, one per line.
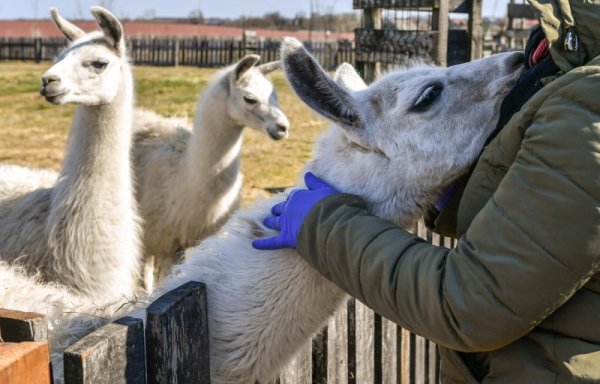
(11, 9)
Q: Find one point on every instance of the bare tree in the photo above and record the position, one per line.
(148, 14)
(35, 4)
(108, 4)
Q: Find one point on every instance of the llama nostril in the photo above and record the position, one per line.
(281, 128)
(49, 79)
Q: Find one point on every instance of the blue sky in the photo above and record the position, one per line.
(11, 9)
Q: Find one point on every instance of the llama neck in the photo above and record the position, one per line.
(92, 219)
(213, 155)
(97, 155)
(401, 200)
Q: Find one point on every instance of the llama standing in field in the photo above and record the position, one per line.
(80, 228)
(189, 179)
(396, 143)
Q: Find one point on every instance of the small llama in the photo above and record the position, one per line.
(189, 179)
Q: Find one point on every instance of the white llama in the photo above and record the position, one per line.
(189, 179)
(80, 228)
(396, 143)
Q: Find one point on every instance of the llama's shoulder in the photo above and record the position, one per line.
(154, 130)
(159, 138)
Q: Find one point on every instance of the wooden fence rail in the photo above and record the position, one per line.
(357, 345)
(195, 51)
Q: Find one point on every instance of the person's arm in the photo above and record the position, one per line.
(527, 251)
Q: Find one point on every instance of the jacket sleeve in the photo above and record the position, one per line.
(533, 244)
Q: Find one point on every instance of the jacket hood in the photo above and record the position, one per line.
(572, 28)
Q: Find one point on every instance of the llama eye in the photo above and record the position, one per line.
(99, 64)
(250, 100)
(428, 96)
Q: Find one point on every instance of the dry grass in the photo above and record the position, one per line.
(33, 133)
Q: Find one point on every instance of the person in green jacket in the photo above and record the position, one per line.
(518, 299)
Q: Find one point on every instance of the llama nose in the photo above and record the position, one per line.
(47, 79)
(282, 128)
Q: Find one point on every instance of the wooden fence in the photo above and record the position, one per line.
(357, 346)
(196, 51)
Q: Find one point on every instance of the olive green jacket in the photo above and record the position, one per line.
(516, 301)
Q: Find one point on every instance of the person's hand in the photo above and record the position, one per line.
(288, 216)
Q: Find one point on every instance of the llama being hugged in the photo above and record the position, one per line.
(386, 145)
(81, 228)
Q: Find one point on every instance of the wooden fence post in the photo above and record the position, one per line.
(372, 20)
(16, 326)
(24, 363)
(177, 337)
(38, 49)
(475, 46)
(24, 355)
(176, 52)
(113, 354)
(439, 23)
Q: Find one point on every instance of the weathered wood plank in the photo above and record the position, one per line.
(420, 359)
(16, 326)
(434, 366)
(24, 363)
(365, 346)
(475, 46)
(407, 357)
(113, 354)
(177, 336)
(439, 23)
(299, 369)
(337, 346)
(389, 366)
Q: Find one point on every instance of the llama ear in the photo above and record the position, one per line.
(70, 30)
(347, 77)
(267, 68)
(244, 65)
(315, 88)
(111, 27)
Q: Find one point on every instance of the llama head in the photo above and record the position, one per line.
(90, 70)
(398, 142)
(252, 100)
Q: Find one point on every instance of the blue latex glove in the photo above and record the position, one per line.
(289, 215)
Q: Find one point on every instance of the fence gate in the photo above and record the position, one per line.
(396, 30)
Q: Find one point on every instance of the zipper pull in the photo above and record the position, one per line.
(571, 40)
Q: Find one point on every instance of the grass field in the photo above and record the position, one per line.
(33, 132)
